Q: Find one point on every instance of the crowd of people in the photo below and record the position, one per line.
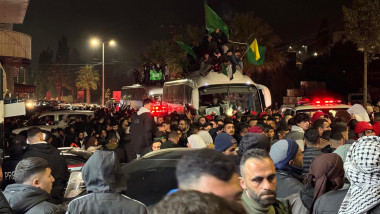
(245, 163)
(213, 53)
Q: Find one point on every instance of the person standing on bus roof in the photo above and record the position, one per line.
(142, 129)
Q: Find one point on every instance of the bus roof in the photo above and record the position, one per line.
(213, 78)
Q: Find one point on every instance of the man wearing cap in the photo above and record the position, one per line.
(364, 128)
(226, 144)
(288, 161)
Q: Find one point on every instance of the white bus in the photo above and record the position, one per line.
(206, 94)
(135, 94)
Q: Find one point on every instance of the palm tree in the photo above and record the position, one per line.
(88, 79)
(245, 27)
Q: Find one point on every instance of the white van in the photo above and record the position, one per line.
(50, 119)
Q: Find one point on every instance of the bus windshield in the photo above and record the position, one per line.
(230, 97)
(133, 94)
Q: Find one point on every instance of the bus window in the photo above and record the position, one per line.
(179, 94)
(242, 98)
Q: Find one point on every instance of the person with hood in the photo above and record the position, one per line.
(39, 148)
(288, 161)
(105, 184)
(142, 129)
(33, 185)
(326, 174)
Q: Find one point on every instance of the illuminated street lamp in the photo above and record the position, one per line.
(111, 43)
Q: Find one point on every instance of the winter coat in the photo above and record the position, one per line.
(142, 129)
(5, 208)
(30, 200)
(104, 182)
(57, 165)
(287, 183)
(330, 202)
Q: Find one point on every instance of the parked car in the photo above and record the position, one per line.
(151, 177)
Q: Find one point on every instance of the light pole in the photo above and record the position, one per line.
(111, 43)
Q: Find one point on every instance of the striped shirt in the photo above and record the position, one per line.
(308, 155)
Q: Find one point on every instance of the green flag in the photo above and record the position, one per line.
(256, 53)
(155, 75)
(213, 21)
(187, 48)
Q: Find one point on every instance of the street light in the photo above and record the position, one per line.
(111, 43)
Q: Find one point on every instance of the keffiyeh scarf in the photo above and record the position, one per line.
(362, 168)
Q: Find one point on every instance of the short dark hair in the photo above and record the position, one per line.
(226, 123)
(194, 128)
(311, 135)
(253, 153)
(173, 134)
(147, 101)
(301, 117)
(319, 123)
(267, 127)
(178, 202)
(17, 144)
(28, 167)
(336, 131)
(326, 135)
(32, 132)
(204, 161)
(113, 138)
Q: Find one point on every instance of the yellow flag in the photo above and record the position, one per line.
(255, 48)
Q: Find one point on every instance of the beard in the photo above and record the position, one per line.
(259, 198)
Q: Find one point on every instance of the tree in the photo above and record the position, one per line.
(61, 57)
(88, 79)
(45, 78)
(362, 25)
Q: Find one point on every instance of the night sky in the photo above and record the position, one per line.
(134, 24)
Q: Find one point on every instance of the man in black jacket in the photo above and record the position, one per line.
(30, 193)
(39, 148)
(142, 129)
(105, 183)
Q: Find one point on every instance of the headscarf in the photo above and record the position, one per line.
(362, 168)
(326, 173)
(196, 142)
(282, 152)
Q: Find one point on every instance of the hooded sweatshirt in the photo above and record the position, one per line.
(142, 129)
(30, 200)
(58, 167)
(104, 182)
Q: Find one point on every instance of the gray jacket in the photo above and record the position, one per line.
(30, 200)
(287, 184)
(104, 182)
(330, 202)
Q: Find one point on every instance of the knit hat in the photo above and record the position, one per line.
(255, 129)
(196, 142)
(224, 141)
(253, 141)
(317, 115)
(282, 152)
